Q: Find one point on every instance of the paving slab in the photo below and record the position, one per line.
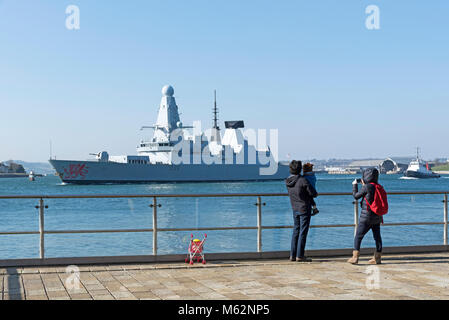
(412, 276)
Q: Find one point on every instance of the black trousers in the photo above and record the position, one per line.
(362, 228)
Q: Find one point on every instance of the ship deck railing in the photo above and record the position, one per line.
(259, 227)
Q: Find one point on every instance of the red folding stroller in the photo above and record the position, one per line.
(195, 250)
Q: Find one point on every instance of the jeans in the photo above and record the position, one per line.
(362, 229)
(299, 237)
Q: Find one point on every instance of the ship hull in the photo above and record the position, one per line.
(420, 175)
(94, 172)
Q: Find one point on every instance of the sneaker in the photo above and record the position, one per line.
(303, 259)
(291, 259)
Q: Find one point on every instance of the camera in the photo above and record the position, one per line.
(359, 180)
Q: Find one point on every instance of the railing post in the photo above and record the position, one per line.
(154, 226)
(356, 215)
(445, 220)
(41, 229)
(259, 224)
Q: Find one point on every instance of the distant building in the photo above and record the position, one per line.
(3, 168)
(339, 170)
(391, 165)
(359, 165)
(13, 168)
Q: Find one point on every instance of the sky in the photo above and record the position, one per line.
(310, 69)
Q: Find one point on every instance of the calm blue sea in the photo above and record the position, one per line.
(75, 214)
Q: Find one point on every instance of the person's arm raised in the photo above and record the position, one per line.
(358, 194)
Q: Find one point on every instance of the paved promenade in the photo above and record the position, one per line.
(419, 276)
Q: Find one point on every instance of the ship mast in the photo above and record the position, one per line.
(216, 129)
(215, 111)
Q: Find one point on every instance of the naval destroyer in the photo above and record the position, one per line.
(173, 154)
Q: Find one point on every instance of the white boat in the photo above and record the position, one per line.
(418, 169)
(31, 176)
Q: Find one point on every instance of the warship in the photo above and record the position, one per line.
(173, 154)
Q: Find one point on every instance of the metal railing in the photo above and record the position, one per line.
(155, 205)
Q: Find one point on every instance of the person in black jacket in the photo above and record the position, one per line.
(368, 219)
(301, 195)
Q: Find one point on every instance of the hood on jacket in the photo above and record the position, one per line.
(371, 175)
(291, 181)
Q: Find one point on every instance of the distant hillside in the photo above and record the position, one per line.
(444, 167)
(36, 167)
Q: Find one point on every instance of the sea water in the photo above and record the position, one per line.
(135, 213)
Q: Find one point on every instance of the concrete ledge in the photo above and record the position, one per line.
(327, 253)
(370, 251)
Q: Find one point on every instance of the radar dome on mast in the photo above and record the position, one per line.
(168, 91)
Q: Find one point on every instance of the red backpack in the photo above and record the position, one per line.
(380, 203)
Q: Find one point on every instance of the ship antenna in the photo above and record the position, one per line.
(215, 111)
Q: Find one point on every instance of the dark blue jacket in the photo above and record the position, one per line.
(367, 191)
(310, 176)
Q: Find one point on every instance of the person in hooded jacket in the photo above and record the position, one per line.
(301, 195)
(368, 219)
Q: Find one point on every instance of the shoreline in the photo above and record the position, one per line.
(14, 175)
(18, 175)
(442, 172)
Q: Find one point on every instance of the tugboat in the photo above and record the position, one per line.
(417, 169)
